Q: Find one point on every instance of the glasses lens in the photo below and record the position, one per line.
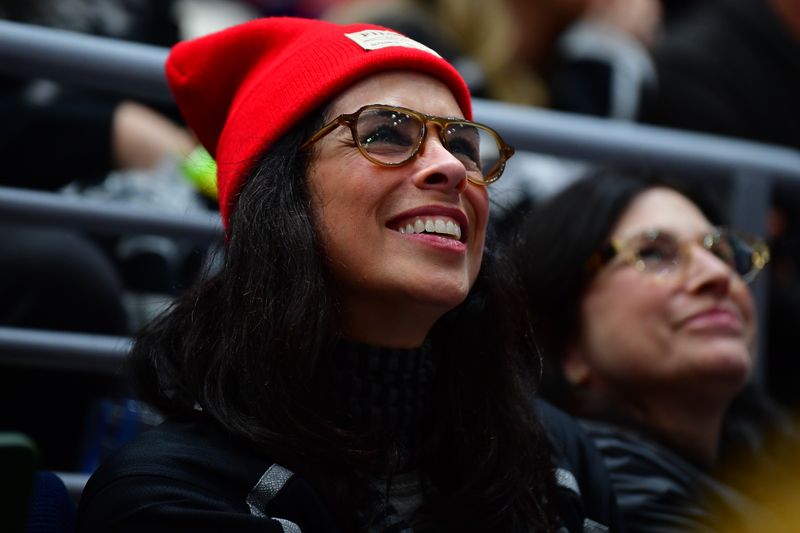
(742, 255)
(722, 245)
(476, 147)
(657, 252)
(388, 135)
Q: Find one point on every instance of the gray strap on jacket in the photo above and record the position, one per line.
(265, 489)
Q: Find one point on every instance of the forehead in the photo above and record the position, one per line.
(409, 89)
(661, 208)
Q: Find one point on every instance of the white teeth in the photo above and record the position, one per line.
(433, 225)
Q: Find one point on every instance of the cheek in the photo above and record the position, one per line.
(335, 215)
(341, 199)
(477, 207)
(625, 326)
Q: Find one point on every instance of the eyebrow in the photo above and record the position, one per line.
(668, 231)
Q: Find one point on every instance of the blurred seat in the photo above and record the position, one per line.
(34, 501)
(51, 509)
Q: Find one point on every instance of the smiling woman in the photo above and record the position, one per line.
(361, 362)
(394, 285)
(648, 327)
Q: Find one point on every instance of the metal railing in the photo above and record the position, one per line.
(37, 207)
(136, 71)
(63, 351)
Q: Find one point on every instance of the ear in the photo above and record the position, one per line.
(576, 367)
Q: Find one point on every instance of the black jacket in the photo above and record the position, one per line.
(659, 491)
(190, 476)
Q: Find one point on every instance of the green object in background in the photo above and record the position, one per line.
(201, 169)
(18, 462)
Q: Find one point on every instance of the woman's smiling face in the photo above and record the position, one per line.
(394, 281)
(649, 336)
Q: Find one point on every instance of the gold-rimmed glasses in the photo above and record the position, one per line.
(659, 252)
(391, 136)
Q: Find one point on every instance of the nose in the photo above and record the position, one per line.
(707, 273)
(438, 168)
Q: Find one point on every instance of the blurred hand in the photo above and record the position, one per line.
(641, 19)
(141, 137)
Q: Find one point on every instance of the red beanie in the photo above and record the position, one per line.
(242, 88)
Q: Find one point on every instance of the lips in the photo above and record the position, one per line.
(717, 318)
(443, 221)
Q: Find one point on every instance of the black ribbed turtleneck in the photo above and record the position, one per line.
(383, 390)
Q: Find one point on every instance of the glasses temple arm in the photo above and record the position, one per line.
(322, 132)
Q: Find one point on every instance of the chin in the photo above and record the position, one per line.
(446, 302)
(735, 368)
(445, 297)
(724, 360)
(733, 364)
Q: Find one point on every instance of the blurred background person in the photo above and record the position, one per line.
(730, 67)
(647, 326)
(52, 135)
(570, 55)
(593, 55)
(84, 134)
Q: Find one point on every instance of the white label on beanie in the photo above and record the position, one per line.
(377, 39)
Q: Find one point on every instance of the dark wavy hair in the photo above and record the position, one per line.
(249, 346)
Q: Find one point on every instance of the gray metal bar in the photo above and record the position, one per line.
(36, 207)
(75, 483)
(67, 351)
(616, 141)
(135, 69)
